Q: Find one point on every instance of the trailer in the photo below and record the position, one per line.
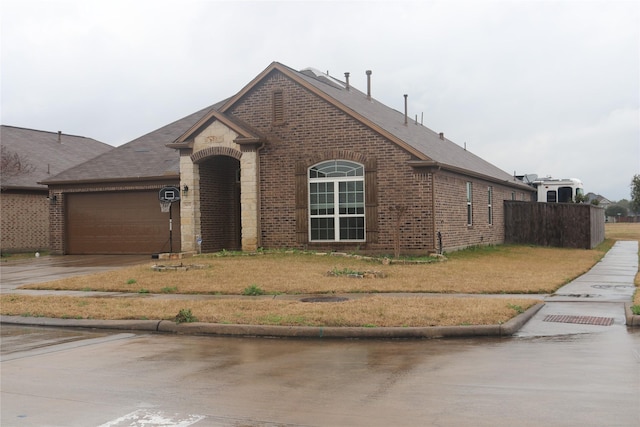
(552, 190)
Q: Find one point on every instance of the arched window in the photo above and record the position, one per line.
(336, 201)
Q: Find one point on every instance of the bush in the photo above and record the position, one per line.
(253, 290)
(185, 316)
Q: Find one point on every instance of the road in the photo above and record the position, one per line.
(63, 377)
(553, 372)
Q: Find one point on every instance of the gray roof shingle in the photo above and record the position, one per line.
(422, 139)
(149, 156)
(48, 153)
(143, 158)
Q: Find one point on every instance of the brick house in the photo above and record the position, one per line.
(32, 156)
(295, 160)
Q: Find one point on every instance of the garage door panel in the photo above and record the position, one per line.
(119, 223)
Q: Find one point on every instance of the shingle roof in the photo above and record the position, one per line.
(426, 144)
(48, 153)
(150, 157)
(143, 158)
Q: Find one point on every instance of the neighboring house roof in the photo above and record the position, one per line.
(153, 155)
(602, 201)
(146, 157)
(45, 154)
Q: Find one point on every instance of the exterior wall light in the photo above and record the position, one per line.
(185, 190)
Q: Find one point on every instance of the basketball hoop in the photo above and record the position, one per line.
(165, 206)
(168, 195)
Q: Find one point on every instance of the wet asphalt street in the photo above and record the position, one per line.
(56, 377)
(551, 373)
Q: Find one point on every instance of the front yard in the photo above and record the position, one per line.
(242, 288)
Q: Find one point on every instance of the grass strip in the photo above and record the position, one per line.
(371, 311)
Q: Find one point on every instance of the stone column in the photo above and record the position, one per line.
(189, 203)
(249, 198)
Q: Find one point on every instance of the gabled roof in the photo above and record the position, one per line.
(602, 201)
(430, 149)
(144, 158)
(47, 154)
(185, 140)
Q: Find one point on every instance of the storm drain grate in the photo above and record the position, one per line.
(582, 320)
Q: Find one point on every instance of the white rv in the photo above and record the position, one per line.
(553, 190)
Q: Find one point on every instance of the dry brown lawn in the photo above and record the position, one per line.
(369, 311)
(485, 270)
(622, 231)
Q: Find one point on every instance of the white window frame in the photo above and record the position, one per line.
(490, 205)
(469, 188)
(336, 216)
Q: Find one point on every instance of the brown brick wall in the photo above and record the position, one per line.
(24, 222)
(451, 208)
(312, 127)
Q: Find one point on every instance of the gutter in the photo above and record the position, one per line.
(114, 180)
(437, 166)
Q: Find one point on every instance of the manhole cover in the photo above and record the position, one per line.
(582, 320)
(324, 299)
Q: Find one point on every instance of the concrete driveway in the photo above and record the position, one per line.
(19, 272)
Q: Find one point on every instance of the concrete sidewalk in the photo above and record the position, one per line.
(593, 302)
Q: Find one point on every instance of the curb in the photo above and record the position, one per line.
(218, 329)
(129, 325)
(632, 319)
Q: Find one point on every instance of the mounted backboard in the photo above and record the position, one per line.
(169, 194)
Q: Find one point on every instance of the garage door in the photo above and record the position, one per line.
(120, 223)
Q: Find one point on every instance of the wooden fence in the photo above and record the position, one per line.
(565, 225)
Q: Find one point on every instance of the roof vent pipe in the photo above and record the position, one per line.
(442, 136)
(368, 84)
(346, 77)
(405, 109)
(59, 136)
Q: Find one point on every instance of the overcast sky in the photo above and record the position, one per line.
(534, 87)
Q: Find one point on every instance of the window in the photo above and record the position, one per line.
(490, 205)
(469, 203)
(565, 194)
(552, 196)
(336, 201)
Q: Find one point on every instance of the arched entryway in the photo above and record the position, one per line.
(220, 220)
